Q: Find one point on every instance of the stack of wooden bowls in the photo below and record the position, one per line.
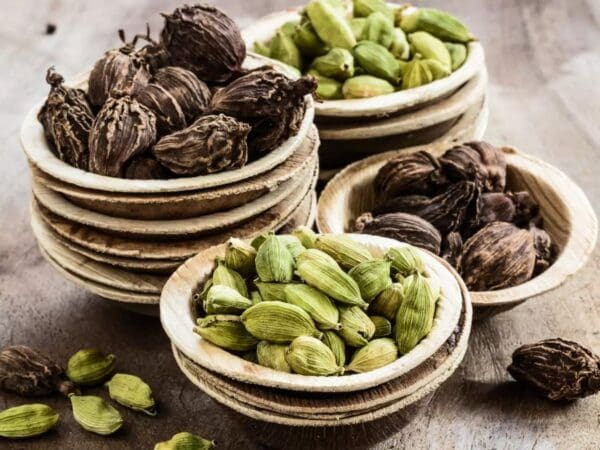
(282, 410)
(451, 109)
(122, 238)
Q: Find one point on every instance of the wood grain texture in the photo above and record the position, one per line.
(543, 58)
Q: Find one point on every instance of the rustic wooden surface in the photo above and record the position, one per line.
(544, 64)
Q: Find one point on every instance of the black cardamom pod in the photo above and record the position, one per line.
(545, 250)
(67, 118)
(169, 115)
(452, 248)
(556, 368)
(145, 168)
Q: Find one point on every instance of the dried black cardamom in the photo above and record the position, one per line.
(558, 369)
(526, 208)
(145, 168)
(122, 129)
(211, 144)
(204, 40)
(452, 248)
(494, 207)
(30, 373)
(545, 250)
(402, 227)
(169, 115)
(66, 117)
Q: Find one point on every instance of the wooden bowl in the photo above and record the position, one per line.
(384, 105)
(183, 205)
(178, 320)
(39, 154)
(568, 217)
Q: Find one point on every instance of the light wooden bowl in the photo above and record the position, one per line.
(183, 205)
(568, 217)
(178, 321)
(39, 154)
(384, 105)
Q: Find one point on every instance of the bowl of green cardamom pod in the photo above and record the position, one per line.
(311, 313)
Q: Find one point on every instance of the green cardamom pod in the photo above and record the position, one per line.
(357, 327)
(26, 421)
(366, 86)
(284, 49)
(255, 297)
(377, 353)
(306, 39)
(379, 29)
(274, 262)
(377, 61)
(132, 392)
(289, 27)
(330, 25)
(372, 277)
(343, 249)
(414, 319)
(337, 345)
(416, 74)
(436, 68)
(430, 47)
(438, 23)
(320, 308)
(386, 304)
(185, 441)
(458, 54)
(271, 292)
(307, 236)
(260, 240)
(400, 47)
(309, 356)
(320, 271)
(338, 63)
(226, 331)
(405, 260)
(358, 25)
(278, 322)
(327, 88)
(239, 256)
(364, 8)
(383, 327)
(88, 367)
(223, 299)
(95, 415)
(292, 243)
(225, 276)
(199, 298)
(262, 49)
(273, 356)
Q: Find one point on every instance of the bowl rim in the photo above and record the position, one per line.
(37, 150)
(384, 104)
(580, 243)
(178, 322)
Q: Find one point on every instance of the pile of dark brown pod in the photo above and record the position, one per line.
(182, 106)
(458, 206)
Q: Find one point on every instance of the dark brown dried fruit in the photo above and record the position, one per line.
(145, 168)
(476, 161)
(545, 251)
(121, 70)
(211, 144)
(166, 109)
(495, 207)
(66, 117)
(261, 93)
(204, 40)
(407, 174)
(122, 129)
(192, 94)
(452, 248)
(30, 373)
(557, 368)
(402, 227)
(498, 256)
(526, 208)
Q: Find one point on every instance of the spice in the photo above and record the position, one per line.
(89, 366)
(26, 421)
(185, 441)
(131, 392)
(95, 415)
(309, 356)
(227, 331)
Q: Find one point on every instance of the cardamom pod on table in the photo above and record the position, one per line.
(185, 441)
(67, 118)
(132, 392)
(556, 368)
(212, 143)
(309, 356)
(26, 421)
(89, 366)
(95, 415)
(204, 40)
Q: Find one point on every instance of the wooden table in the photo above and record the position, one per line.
(544, 62)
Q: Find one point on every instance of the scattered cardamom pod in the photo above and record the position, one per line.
(377, 353)
(380, 29)
(185, 441)
(240, 256)
(145, 168)
(372, 277)
(383, 327)
(132, 392)
(556, 368)
(346, 251)
(377, 61)
(442, 25)
(30, 373)
(405, 260)
(387, 302)
(89, 367)
(307, 237)
(225, 276)
(211, 144)
(95, 415)
(278, 322)
(458, 54)
(283, 48)
(26, 421)
(222, 299)
(273, 356)
(338, 63)
(364, 8)
(320, 308)
(357, 328)
(331, 27)
(67, 118)
(226, 331)
(337, 345)
(366, 86)
(307, 355)
(306, 39)
(274, 262)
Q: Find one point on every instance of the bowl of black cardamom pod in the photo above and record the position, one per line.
(316, 332)
(512, 225)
